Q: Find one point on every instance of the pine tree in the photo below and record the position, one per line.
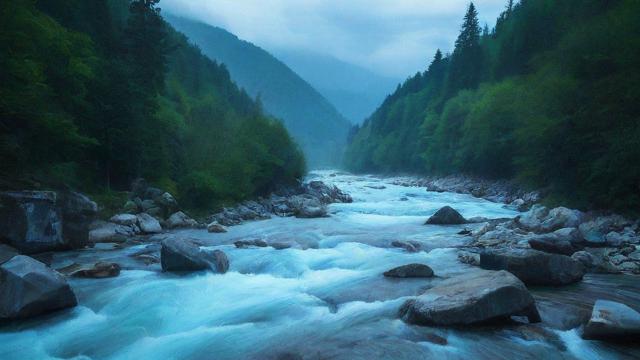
(466, 60)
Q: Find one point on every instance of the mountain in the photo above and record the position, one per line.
(549, 97)
(318, 127)
(95, 94)
(355, 91)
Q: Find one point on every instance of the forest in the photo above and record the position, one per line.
(94, 94)
(548, 97)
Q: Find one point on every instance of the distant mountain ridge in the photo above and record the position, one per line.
(355, 91)
(310, 118)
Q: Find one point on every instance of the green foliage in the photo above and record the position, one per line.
(96, 93)
(558, 106)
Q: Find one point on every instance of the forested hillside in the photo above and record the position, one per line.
(549, 96)
(96, 93)
(309, 117)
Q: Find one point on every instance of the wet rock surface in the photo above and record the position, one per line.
(185, 255)
(472, 299)
(410, 271)
(446, 216)
(612, 321)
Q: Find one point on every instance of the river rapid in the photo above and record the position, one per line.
(324, 298)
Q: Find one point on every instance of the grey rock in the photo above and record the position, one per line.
(78, 212)
(471, 299)
(561, 217)
(241, 244)
(29, 288)
(612, 321)
(124, 219)
(99, 270)
(467, 257)
(552, 244)
(184, 255)
(30, 221)
(534, 267)
(180, 220)
(532, 219)
(148, 204)
(110, 232)
(410, 271)
(214, 227)
(446, 216)
(148, 224)
(409, 246)
(571, 235)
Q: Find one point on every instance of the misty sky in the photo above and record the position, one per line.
(390, 37)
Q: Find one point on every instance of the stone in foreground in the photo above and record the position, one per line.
(534, 267)
(184, 255)
(446, 216)
(612, 321)
(410, 271)
(29, 288)
(472, 299)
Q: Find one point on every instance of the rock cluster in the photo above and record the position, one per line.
(601, 243)
(306, 201)
(507, 192)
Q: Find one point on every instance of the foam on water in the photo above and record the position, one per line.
(323, 298)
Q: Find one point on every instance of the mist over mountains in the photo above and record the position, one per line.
(312, 120)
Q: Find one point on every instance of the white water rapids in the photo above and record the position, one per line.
(323, 299)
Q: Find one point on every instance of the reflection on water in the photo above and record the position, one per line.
(324, 298)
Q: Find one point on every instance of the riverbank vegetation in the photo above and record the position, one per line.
(549, 96)
(94, 94)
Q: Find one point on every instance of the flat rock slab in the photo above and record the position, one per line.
(29, 288)
(534, 267)
(410, 271)
(612, 321)
(471, 299)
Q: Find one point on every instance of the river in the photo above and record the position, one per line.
(324, 298)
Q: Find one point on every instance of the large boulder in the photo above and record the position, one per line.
(552, 244)
(148, 224)
(111, 233)
(180, 220)
(30, 221)
(184, 255)
(534, 267)
(410, 271)
(471, 299)
(612, 321)
(30, 288)
(124, 219)
(214, 227)
(561, 217)
(532, 219)
(78, 212)
(446, 216)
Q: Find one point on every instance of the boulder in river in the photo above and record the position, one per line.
(534, 267)
(148, 224)
(30, 221)
(446, 216)
(184, 255)
(99, 270)
(471, 299)
(410, 271)
(410, 246)
(180, 220)
(29, 288)
(242, 244)
(612, 321)
(553, 245)
(214, 227)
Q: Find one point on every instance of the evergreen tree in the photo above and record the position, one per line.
(466, 61)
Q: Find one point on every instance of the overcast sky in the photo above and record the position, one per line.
(390, 37)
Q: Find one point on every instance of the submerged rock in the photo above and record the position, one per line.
(241, 244)
(100, 270)
(410, 246)
(410, 271)
(612, 321)
(29, 288)
(471, 299)
(184, 255)
(446, 216)
(214, 227)
(534, 267)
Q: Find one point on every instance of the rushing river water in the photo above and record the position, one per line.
(325, 298)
